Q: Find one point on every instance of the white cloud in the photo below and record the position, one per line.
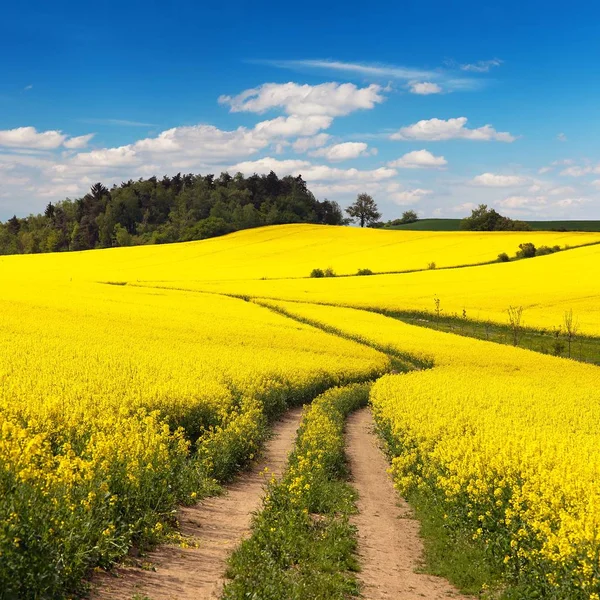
(372, 70)
(425, 88)
(580, 171)
(596, 183)
(29, 137)
(568, 202)
(108, 157)
(530, 202)
(439, 129)
(118, 122)
(293, 126)
(493, 180)
(561, 190)
(481, 66)
(343, 151)
(409, 196)
(419, 159)
(80, 141)
(309, 171)
(465, 207)
(384, 72)
(307, 143)
(331, 99)
(561, 137)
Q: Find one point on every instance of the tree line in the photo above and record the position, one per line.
(172, 209)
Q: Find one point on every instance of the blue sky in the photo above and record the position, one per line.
(434, 107)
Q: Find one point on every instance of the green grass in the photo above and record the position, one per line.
(545, 341)
(454, 225)
(453, 554)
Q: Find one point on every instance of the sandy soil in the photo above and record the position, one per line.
(390, 548)
(218, 525)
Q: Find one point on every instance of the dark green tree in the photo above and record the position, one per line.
(364, 210)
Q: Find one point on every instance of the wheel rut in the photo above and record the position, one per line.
(217, 524)
(389, 546)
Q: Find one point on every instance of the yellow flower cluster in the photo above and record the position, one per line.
(117, 402)
(509, 439)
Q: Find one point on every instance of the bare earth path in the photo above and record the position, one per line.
(218, 524)
(389, 545)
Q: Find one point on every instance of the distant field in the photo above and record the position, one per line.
(454, 225)
(282, 251)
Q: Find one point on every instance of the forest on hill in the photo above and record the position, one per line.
(172, 209)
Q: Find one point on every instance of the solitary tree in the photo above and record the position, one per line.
(364, 210)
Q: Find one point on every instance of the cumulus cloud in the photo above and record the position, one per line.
(310, 171)
(293, 126)
(577, 171)
(343, 151)
(465, 207)
(331, 99)
(561, 190)
(529, 202)
(439, 129)
(304, 144)
(29, 137)
(568, 202)
(419, 159)
(108, 157)
(493, 180)
(80, 141)
(198, 145)
(409, 196)
(425, 88)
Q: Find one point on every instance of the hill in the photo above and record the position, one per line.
(282, 251)
(454, 225)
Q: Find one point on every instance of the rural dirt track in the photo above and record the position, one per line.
(389, 545)
(218, 524)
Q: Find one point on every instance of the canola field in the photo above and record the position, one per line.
(546, 287)
(507, 439)
(129, 384)
(117, 403)
(284, 251)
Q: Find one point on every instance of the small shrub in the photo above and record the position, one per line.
(364, 272)
(556, 248)
(543, 250)
(526, 250)
(329, 272)
(317, 273)
(431, 265)
(503, 257)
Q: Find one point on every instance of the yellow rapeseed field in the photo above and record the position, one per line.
(507, 438)
(126, 388)
(546, 287)
(117, 402)
(284, 251)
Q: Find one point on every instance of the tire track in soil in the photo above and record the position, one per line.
(389, 546)
(217, 524)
